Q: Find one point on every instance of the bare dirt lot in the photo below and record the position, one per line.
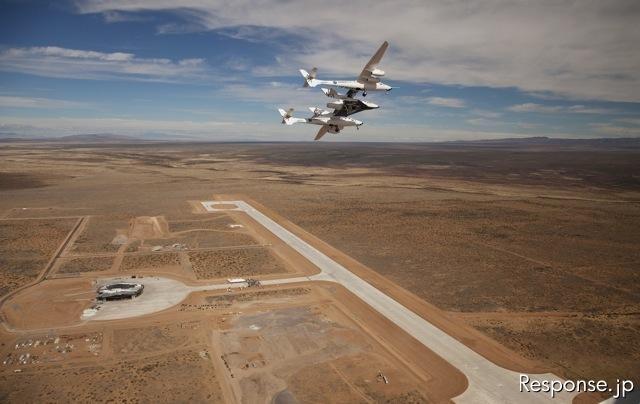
(52, 303)
(217, 222)
(532, 243)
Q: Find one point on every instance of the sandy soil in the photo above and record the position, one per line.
(532, 247)
(52, 303)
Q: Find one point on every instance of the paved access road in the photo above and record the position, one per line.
(488, 383)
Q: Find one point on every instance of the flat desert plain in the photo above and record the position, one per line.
(526, 251)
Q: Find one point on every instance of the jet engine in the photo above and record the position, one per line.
(377, 72)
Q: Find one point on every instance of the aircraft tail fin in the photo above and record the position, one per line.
(330, 92)
(287, 117)
(309, 77)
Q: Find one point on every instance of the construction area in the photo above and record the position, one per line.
(214, 299)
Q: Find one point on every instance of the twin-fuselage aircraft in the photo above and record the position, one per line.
(342, 105)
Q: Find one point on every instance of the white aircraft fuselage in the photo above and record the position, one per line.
(351, 84)
(338, 121)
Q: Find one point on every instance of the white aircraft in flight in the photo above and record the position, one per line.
(368, 80)
(331, 122)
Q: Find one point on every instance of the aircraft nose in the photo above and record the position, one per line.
(358, 123)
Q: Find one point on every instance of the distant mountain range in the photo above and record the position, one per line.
(541, 142)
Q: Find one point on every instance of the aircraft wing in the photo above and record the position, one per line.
(323, 130)
(373, 63)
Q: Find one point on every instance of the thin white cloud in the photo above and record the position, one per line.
(117, 17)
(613, 130)
(483, 122)
(127, 126)
(241, 131)
(53, 61)
(532, 107)
(582, 50)
(446, 102)
(630, 121)
(581, 109)
(483, 113)
(541, 108)
(276, 94)
(8, 101)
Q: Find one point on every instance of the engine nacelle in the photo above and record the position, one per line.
(334, 129)
(377, 72)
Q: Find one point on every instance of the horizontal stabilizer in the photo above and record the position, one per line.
(318, 111)
(287, 117)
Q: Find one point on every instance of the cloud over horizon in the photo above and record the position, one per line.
(582, 50)
(54, 61)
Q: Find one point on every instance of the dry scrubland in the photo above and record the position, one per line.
(532, 242)
(149, 261)
(99, 233)
(164, 378)
(92, 264)
(234, 262)
(26, 246)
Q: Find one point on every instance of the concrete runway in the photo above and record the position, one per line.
(488, 383)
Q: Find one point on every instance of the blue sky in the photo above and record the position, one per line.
(205, 69)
